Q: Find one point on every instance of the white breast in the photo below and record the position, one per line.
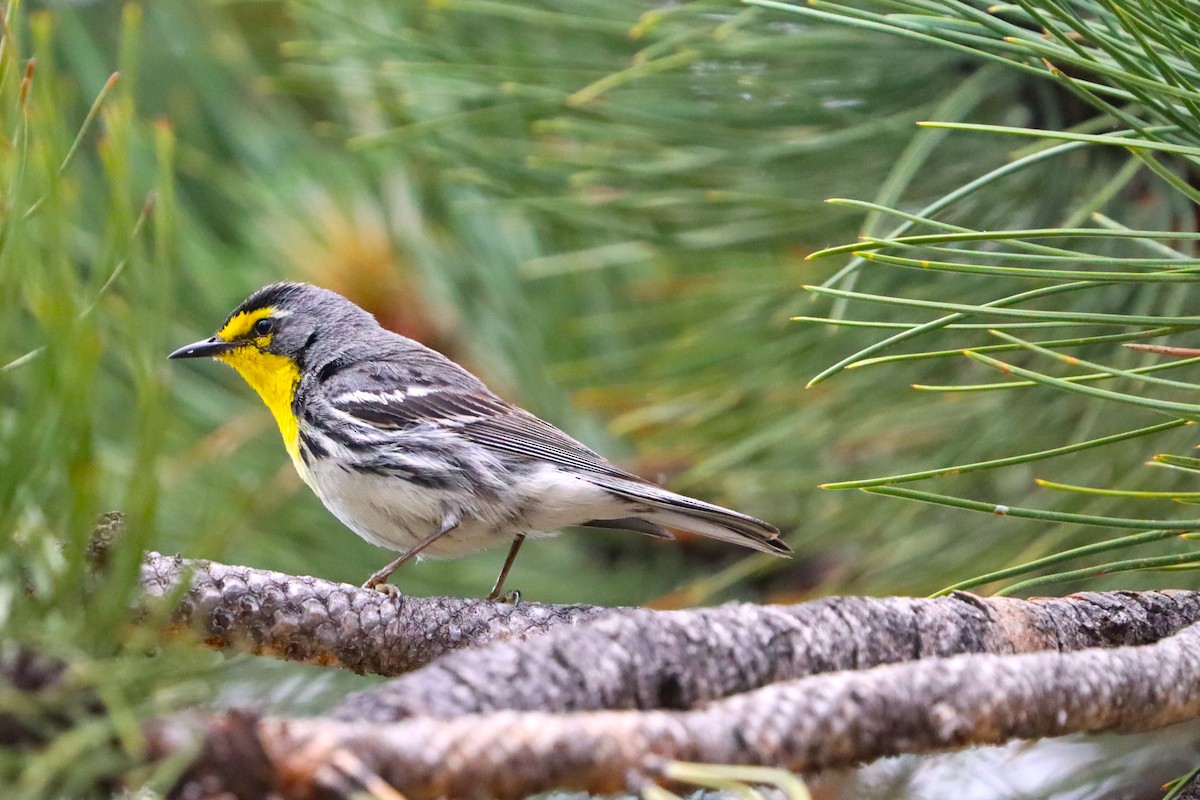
(395, 513)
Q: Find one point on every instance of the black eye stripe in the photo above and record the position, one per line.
(264, 326)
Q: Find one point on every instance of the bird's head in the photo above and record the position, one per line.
(278, 333)
(284, 323)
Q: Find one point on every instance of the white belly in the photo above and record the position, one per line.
(397, 514)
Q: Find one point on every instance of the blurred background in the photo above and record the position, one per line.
(603, 209)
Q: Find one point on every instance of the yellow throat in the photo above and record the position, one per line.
(273, 376)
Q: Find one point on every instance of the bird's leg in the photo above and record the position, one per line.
(518, 540)
(448, 524)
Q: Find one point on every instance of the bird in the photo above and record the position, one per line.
(414, 453)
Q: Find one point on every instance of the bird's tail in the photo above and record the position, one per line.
(662, 507)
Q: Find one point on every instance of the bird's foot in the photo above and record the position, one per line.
(512, 597)
(383, 587)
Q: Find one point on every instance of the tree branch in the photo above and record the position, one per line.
(815, 723)
(798, 687)
(641, 659)
(314, 621)
(627, 658)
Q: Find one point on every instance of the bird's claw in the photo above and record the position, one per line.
(389, 589)
(511, 598)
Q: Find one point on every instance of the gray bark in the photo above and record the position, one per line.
(641, 659)
(823, 721)
(315, 621)
(575, 697)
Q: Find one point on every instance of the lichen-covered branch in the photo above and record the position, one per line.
(824, 721)
(316, 621)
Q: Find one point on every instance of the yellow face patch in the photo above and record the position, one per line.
(273, 376)
(241, 323)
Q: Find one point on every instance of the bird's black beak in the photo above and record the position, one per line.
(207, 348)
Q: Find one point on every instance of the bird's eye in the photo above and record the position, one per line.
(264, 326)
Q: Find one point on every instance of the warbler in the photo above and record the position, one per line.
(414, 453)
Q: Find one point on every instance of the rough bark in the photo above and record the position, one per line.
(640, 659)
(533, 706)
(315, 621)
(832, 720)
(622, 658)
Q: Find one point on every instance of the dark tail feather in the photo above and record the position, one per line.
(630, 524)
(662, 507)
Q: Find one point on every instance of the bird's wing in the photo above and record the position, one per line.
(479, 417)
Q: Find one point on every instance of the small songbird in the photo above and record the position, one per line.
(413, 453)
